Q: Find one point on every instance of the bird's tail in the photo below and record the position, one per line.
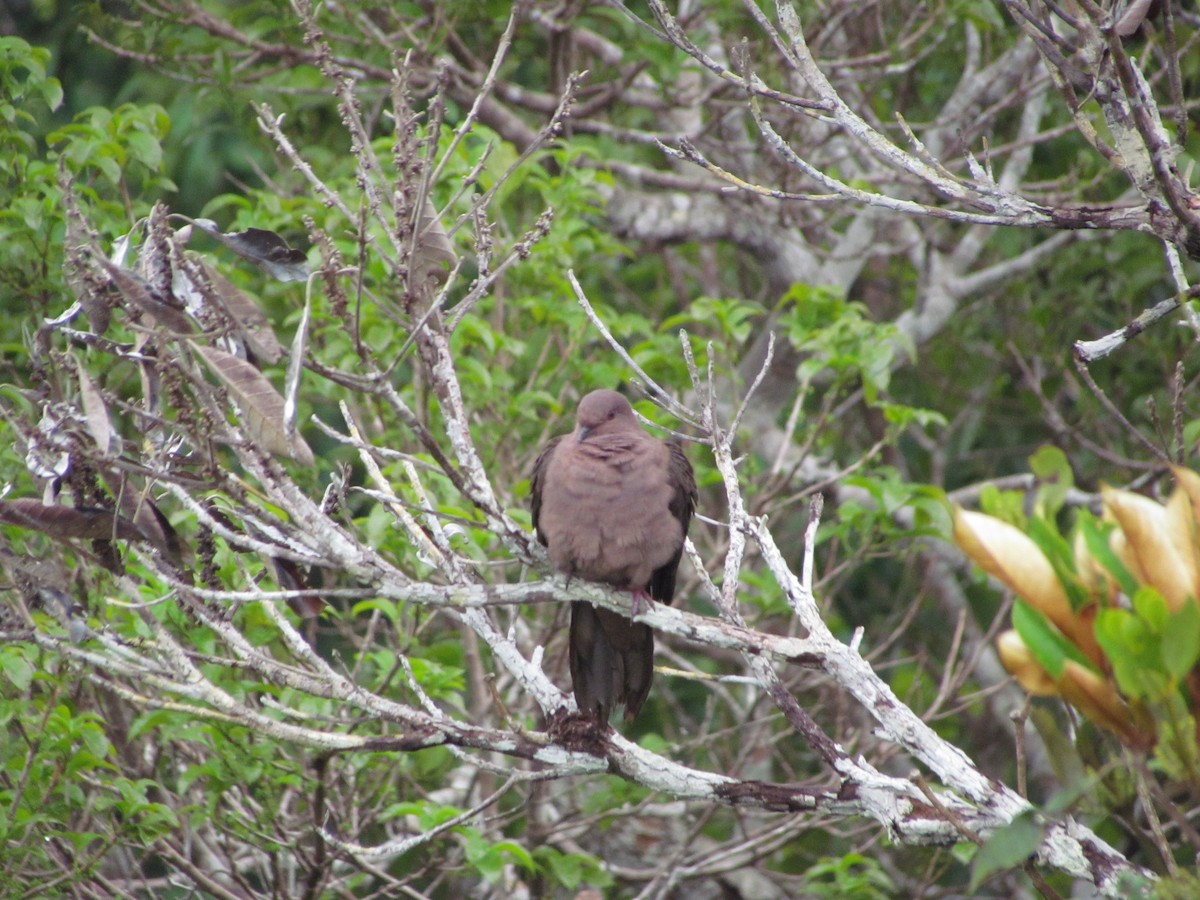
(612, 661)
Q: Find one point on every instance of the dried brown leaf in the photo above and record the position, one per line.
(68, 522)
(434, 257)
(264, 248)
(157, 530)
(261, 405)
(291, 577)
(138, 292)
(95, 411)
(253, 325)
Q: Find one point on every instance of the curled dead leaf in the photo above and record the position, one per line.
(68, 522)
(1148, 548)
(1019, 663)
(264, 248)
(1010, 556)
(262, 406)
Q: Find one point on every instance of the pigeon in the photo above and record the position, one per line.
(612, 505)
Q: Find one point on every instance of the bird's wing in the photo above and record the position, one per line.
(682, 505)
(538, 483)
(683, 483)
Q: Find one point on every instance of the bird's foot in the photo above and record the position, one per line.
(640, 597)
(578, 731)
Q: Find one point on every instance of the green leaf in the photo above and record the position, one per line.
(96, 740)
(567, 870)
(1151, 608)
(1006, 848)
(483, 856)
(1181, 640)
(849, 877)
(52, 93)
(145, 148)
(1007, 506)
(1134, 651)
(519, 854)
(17, 668)
(1055, 478)
(1047, 644)
(1191, 433)
(389, 608)
(429, 816)
(1095, 537)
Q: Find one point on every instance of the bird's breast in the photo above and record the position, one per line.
(608, 518)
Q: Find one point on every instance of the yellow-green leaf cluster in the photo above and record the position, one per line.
(1108, 621)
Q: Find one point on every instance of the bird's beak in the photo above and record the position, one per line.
(584, 431)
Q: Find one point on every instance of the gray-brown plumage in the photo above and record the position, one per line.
(612, 504)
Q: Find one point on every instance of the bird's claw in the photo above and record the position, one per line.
(640, 597)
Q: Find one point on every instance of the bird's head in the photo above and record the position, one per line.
(604, 412)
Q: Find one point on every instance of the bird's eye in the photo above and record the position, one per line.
(612, 414)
